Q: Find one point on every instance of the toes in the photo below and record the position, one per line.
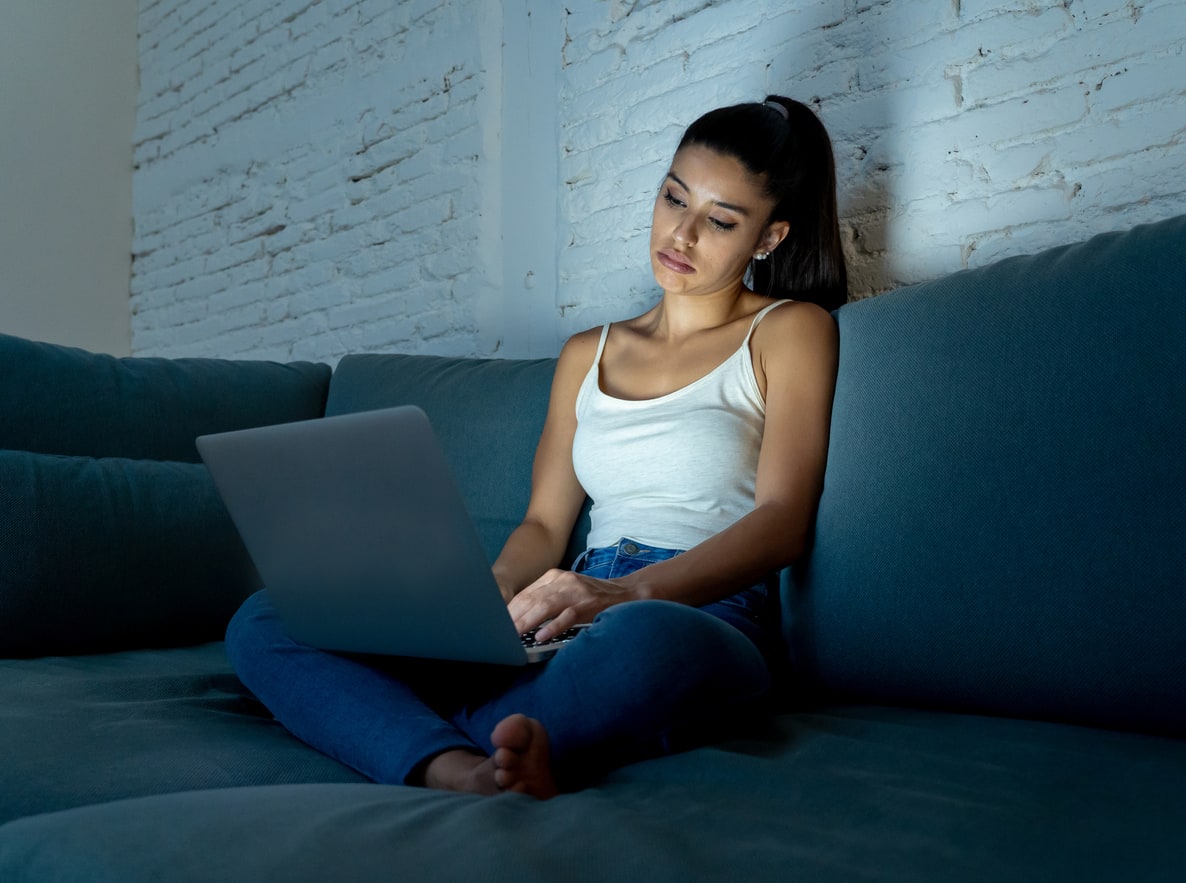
(502, 779)
(507, 759)
(515, 733)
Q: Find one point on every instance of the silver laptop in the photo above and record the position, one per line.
(361, 536)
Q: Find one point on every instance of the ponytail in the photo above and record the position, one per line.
(783, 142)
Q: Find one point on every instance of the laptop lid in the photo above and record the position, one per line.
(362, 538)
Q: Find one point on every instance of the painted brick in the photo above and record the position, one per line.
(1144, 129)
(317, 177)
(1137, 81)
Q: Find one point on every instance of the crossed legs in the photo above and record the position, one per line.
(643, 672)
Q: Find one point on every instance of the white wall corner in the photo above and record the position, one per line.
(532, 42)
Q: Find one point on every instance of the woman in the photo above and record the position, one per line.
(699, 429)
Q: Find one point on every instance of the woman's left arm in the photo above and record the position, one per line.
(795, 353)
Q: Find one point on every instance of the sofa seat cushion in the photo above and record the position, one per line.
(839, 794)
(87, 729)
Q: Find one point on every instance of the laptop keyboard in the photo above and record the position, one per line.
(564, 637)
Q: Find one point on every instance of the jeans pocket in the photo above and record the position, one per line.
(596, 563)
(632, 556)
(611, 562)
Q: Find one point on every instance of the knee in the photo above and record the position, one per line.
(686, 644)
(254, 628)
(647, 620)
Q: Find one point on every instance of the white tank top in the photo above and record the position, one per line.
(670, 472)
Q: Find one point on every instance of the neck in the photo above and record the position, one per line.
(681, 315)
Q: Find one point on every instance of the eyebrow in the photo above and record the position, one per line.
(725, 205)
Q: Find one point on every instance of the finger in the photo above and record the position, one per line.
(536, 603)
(531, 591)
(537, 614)
(563, 620)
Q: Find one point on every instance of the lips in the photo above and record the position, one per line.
(673, 261)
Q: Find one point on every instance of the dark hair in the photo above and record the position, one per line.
(784, 143)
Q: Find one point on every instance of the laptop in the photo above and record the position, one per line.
(363, 540)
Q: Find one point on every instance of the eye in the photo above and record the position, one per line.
(672, 201)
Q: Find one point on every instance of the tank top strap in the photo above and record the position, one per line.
(758, 318)
(601, 344)
(592, 382)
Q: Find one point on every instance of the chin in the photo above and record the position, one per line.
(664, 278)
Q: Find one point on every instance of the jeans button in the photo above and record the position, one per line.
(630, 549)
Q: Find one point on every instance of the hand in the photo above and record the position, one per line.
(566, 599)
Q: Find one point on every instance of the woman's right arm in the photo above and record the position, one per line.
(540, 541)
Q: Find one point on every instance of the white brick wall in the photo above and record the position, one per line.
(305, 180)
(316, 177)
(964, 131)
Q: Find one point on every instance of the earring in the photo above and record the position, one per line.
(761, 256)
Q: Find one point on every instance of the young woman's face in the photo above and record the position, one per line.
(709, 220)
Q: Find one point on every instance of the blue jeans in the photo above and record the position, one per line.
(644, 676)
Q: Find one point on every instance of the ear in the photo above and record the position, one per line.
(773, 235)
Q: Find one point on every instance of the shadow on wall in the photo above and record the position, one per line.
(823, 59)
(864, 176)
(967, 132)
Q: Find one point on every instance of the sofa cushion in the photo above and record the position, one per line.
(1002, 521)
(77, 730)
(840, 794)
(488, 414)
(61, 400)
(105, 554)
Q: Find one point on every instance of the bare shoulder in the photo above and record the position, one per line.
(578, 351)
(575, 360)
(583, 341)
(796, 324)
(797, 343)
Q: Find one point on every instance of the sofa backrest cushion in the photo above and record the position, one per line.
(111, 533)
(61, 400)
(108, 554)
(1003, 524)
(487, 413)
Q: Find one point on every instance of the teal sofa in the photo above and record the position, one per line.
(985, 668)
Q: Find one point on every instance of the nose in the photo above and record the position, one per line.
(685, 231)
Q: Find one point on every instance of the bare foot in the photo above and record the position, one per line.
(461, 770)
(521, 760)
(520, 763)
